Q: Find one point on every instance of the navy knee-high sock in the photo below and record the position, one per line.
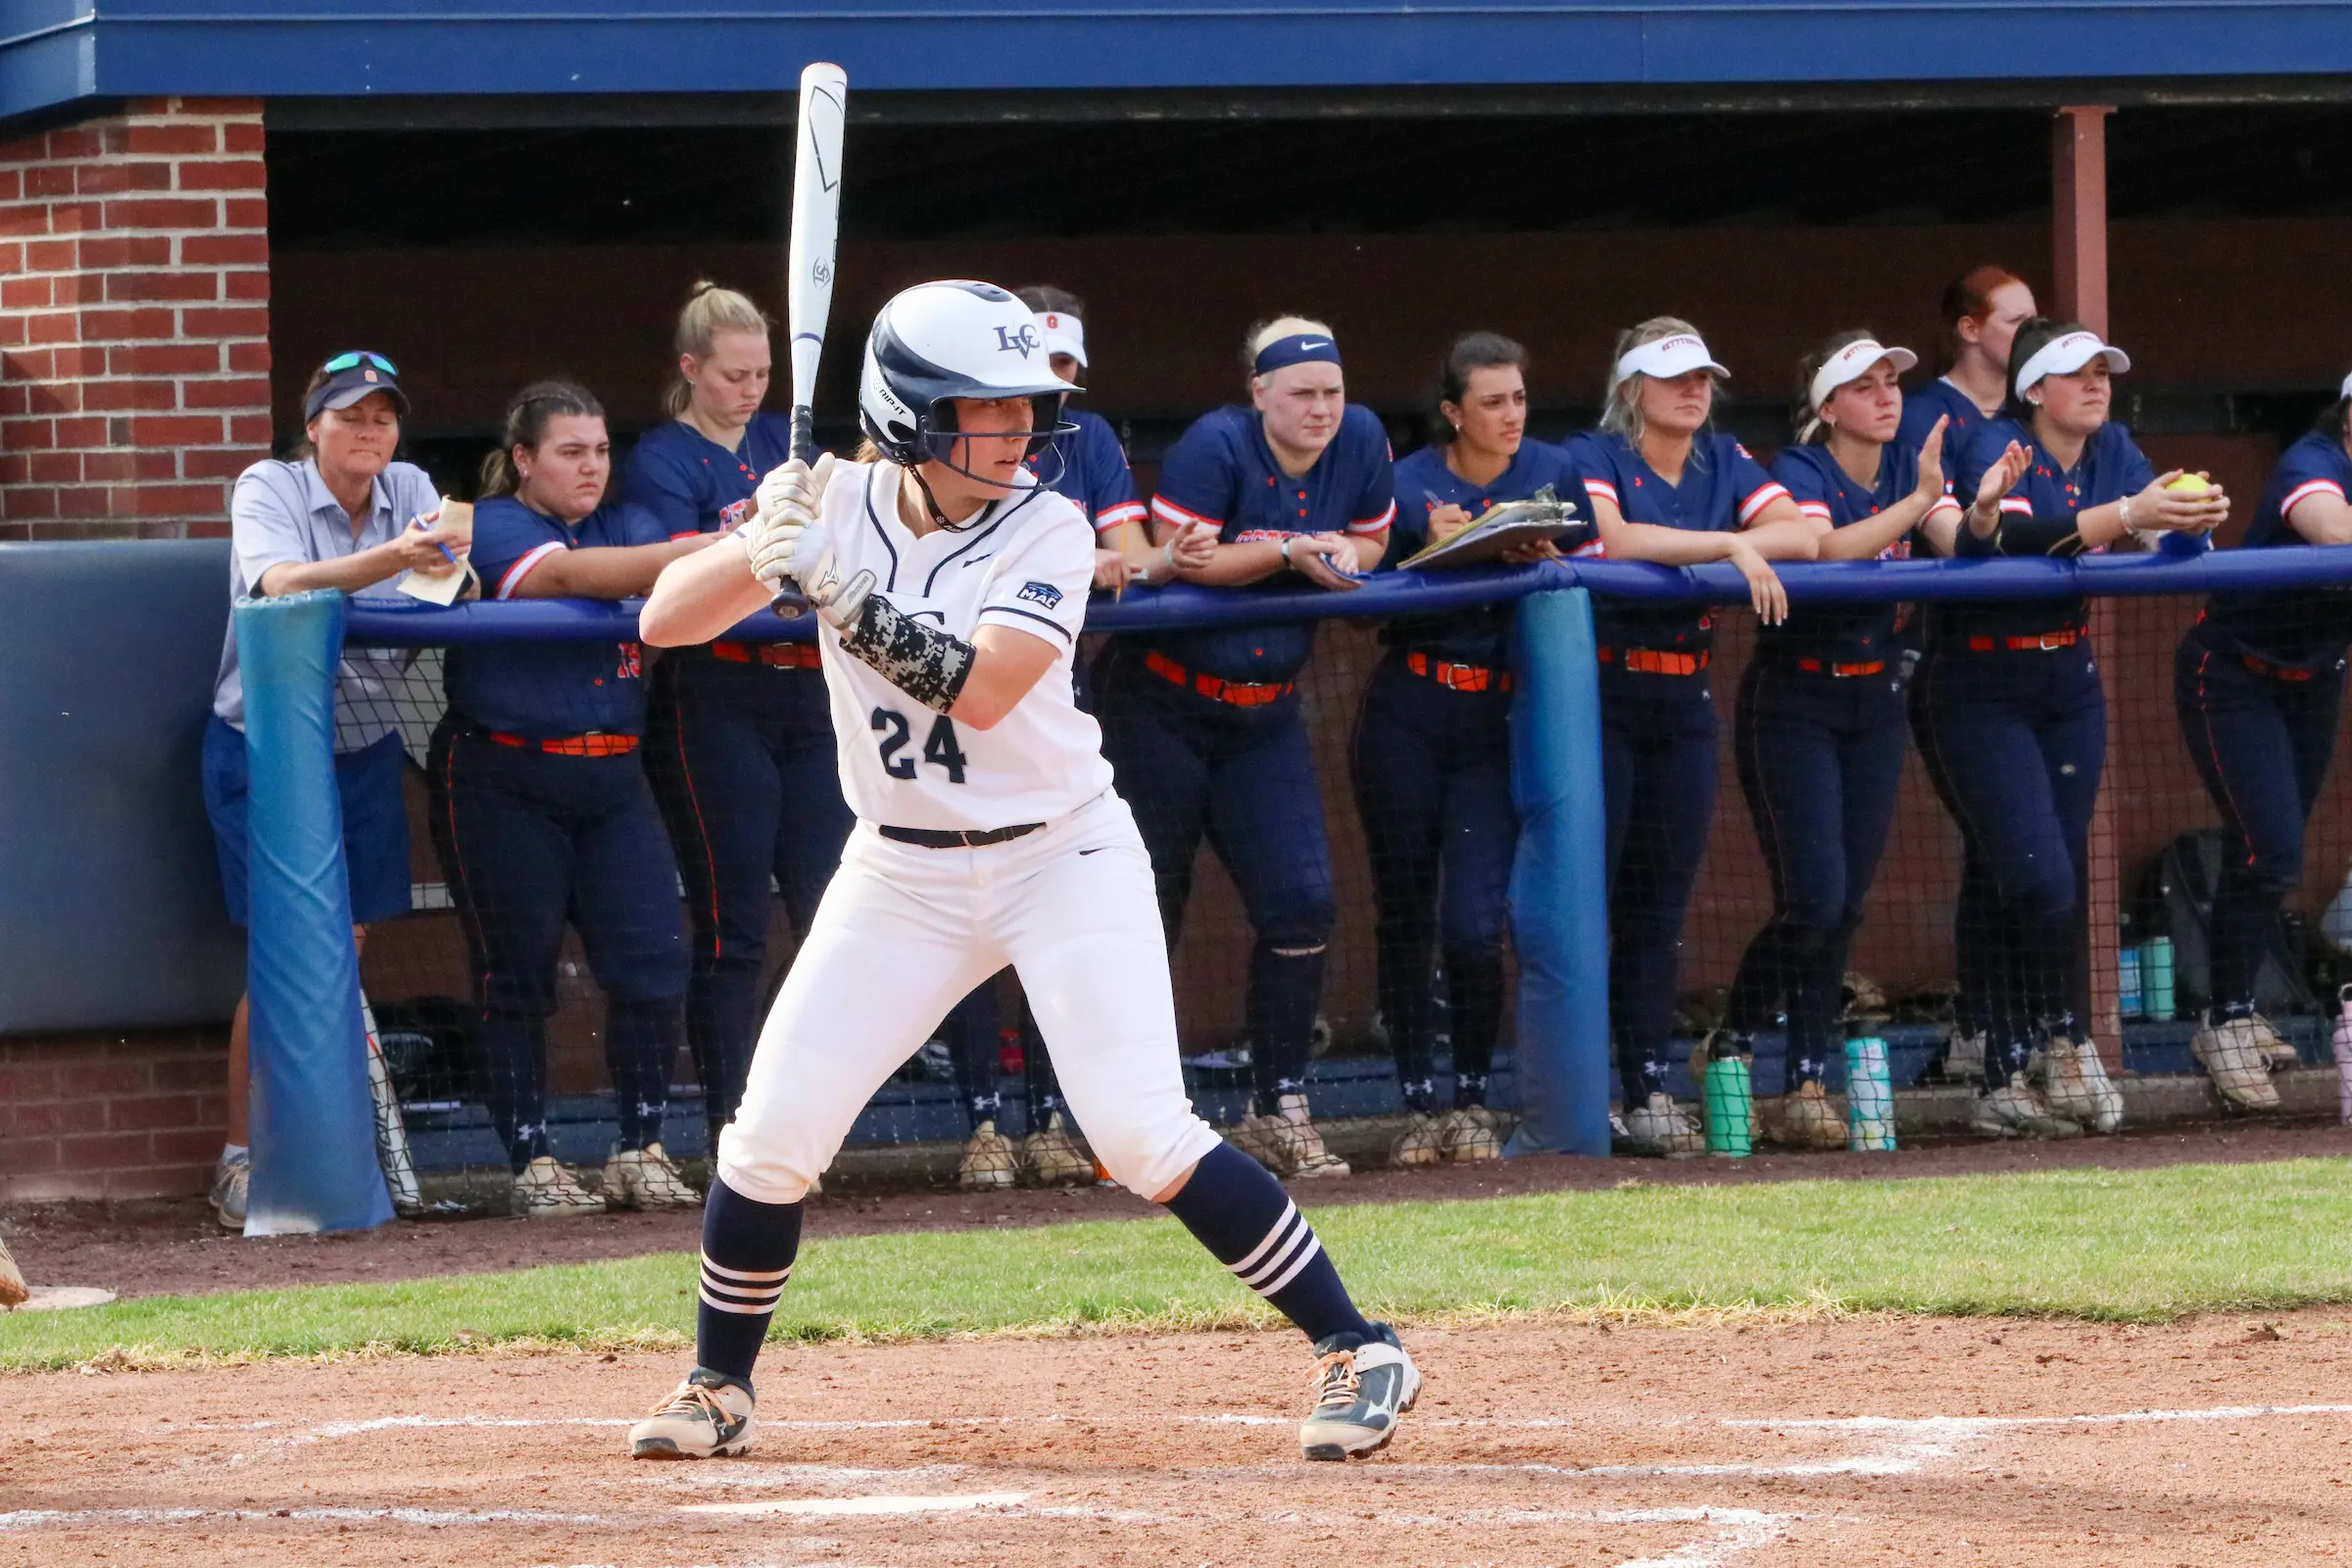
(1240, 1212)
(747, 1248)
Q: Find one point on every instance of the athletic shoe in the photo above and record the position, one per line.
(232, 1184)
(2233, 1056)
(1661, 1127)
(1304, 1143)
(989, 1162)
(13, 1289)
(1963, 1057)
(1051, 1157)
(1809, 1119)
(2074, 1085)
(1361, 1387)
(1421, 1144)
(1468, 1134)
(547, 1190)
(2276, 1046)
(645, 1178)
(709, 1417)
(2017, 1110)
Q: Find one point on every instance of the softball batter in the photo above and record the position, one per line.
(952, 588)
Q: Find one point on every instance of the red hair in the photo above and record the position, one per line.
(1969, 298)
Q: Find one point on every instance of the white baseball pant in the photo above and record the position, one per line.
(904, 933)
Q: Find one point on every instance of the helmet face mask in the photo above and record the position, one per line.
(937, 342)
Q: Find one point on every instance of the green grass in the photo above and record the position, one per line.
(2143, 1245)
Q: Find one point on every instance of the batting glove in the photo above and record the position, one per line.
(788, 501)
(838, 599)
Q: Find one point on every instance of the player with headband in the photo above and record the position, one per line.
(1431, 755)
(1982, 310)
(1204, 727)
(2012, 722)
(2259, 685)
(988, 834)
(542, 814)
(1088, 467)
(1819, 731)
(1666, 486)
(739, 742)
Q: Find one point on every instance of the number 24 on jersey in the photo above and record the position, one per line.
(939, 747)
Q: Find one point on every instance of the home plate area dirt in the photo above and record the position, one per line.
(1863, 1440)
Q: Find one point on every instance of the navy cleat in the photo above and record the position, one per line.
(709, 1417)
(1361, 1387)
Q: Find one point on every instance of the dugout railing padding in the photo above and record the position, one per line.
(1559, 889)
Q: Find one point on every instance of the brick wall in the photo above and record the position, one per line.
(84, 1116)
(134, 322)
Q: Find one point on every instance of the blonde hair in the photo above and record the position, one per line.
(709, 310)
(1265, 332)
(1621, 400)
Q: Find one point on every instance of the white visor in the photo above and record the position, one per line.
(1666, 358)
(1064, 334)
(2064, 356)
(1852, 360)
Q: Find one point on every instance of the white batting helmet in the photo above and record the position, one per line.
(937, 342)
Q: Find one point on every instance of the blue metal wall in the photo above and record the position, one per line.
(55, 51)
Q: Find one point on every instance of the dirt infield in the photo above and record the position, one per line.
(1768, 1446)
(153, 1248)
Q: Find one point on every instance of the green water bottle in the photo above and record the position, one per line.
(1730, 1102)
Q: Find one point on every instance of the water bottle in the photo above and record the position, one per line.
(2156, 976)
(1868, 1096)
(2343, 1054)
(2128, 997)
(1730, 1100)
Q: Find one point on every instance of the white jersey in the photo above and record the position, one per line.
(1026, 564)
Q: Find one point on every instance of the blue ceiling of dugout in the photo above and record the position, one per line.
(55, 51)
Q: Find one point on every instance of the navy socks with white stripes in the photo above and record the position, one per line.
(1240, 1212)
(747, 1248)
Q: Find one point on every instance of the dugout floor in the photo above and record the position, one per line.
(2221, 1441)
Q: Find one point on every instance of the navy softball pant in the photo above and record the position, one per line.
(743, 762)
(1820, 758)
(529, 842)
(2261, 741)
(2014, 741)
(1189, 764)
(1657, 753)
(1432, 785)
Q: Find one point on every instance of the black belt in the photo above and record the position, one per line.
(937, 838)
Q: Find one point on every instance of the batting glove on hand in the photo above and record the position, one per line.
(837, 599)
(788, 501)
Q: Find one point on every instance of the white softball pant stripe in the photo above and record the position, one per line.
(904, 933)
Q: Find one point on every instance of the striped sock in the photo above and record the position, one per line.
(1240, 1212)
(748, 1251)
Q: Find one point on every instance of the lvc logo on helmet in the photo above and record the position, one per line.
(1018, 340)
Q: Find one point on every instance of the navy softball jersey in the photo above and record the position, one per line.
(2304, 627)
(1721, 490)
(1844, 633)
(695, 485)
(1482, 633)
(1939, 399)
(2039, 517)
(543, 691)
(1092, 471)
(1222, 474)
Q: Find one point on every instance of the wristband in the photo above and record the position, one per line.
(2126, 512)
(1286, 550)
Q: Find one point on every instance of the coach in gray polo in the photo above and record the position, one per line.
(339, 514)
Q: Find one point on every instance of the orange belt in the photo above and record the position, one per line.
(2263, 666)
(1653, 661)
(1239, 693)
(591, 744)
(1814, 667)
(1459, 677)
(2040, 642)
(776, 656)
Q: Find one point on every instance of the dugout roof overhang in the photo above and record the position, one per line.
(356, 62)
